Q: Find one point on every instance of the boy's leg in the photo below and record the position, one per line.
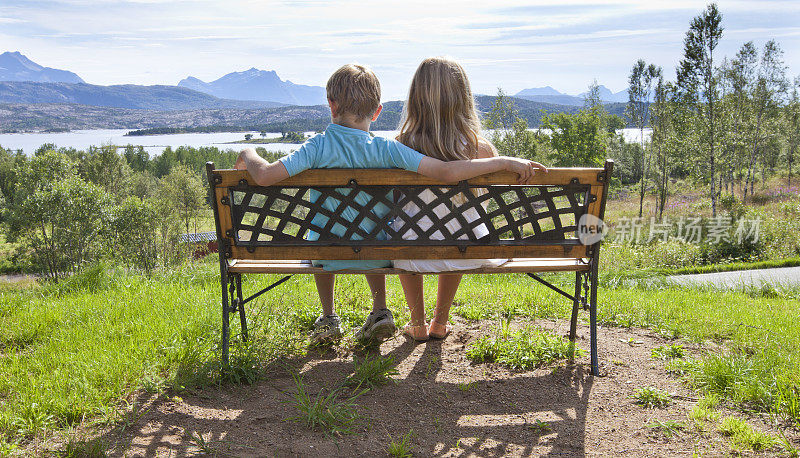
(448, 285)
(325, 283)
(377, 286)
(380, 323)
(412, 288)
(327, 327)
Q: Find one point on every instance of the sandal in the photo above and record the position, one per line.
(417, 332)
(438, 330)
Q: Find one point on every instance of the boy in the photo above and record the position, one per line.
(354, 98)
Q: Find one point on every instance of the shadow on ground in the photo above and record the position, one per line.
(452, 407)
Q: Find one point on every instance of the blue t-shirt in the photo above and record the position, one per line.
(347, 148)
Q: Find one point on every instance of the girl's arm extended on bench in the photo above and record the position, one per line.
(263, 172)
(453, 171)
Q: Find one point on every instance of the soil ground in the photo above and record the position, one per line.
(453, 407)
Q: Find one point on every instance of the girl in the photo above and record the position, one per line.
(440, 121)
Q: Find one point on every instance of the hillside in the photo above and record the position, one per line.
(120, 96)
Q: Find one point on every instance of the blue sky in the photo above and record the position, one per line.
(512, 44)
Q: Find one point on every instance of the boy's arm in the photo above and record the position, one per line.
(453, 171)
(263, 172)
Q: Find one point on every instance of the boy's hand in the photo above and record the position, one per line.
(524, 168)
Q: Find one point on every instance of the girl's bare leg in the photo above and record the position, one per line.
(412, 288)
(448, 285)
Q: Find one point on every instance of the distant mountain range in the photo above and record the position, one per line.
(549, 95)
(16, 67)
(257, 84)
(120, 96)
(33, 97)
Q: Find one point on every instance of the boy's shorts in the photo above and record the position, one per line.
(352, 265)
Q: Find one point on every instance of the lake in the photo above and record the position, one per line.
(155, 144)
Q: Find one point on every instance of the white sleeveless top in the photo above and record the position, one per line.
(441, 265)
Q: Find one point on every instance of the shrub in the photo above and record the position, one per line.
(134, 230)
(61, 223)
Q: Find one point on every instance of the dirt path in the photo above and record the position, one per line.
(454, 408)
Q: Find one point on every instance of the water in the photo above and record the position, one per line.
(155, 144)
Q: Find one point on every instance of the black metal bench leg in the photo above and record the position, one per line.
(225, 323)
(593, 318)
(573, 322)
(240, 306)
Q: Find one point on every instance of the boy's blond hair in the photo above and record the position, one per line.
(356, 90)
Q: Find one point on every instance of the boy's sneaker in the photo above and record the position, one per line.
(327, 329)
(378, 327)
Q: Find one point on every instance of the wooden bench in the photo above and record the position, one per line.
(264, 229)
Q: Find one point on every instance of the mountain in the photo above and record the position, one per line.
(257, 84)
(120, 96)
(607, 96)
(547, 90)
(549, 95)
(16, 67)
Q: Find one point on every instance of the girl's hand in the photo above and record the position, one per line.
(240, 163)
(524, 168)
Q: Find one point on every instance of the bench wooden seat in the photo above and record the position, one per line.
(521, 265)
(265, 229)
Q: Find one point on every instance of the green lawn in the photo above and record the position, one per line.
(80, 348)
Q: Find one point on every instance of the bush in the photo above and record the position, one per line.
(134, 230)
(61, 223)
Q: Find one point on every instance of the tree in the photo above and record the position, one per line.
(640, 85)
(107, 169)
(578, 139)
(768, 90)
(792, 120)
(737, 77)
(510, 134)
(184, 192)
(660, 120)
(697, 79)
(134, 230)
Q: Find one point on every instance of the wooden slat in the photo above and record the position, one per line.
(594, 207)
(512, 266)
(411, 252)
(341, 177)
(223, 210)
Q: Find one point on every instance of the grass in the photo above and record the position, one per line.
(666, 352)
(521, 350)
(372, 372)
(744, 436)
(328, 412)
(94, 448)
(651, 398)
(76, 350)
(401, 447)
(667, 428)
(705, 410)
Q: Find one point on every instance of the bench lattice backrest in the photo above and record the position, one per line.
(274, 222)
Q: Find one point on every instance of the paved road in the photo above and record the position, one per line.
(786, 276)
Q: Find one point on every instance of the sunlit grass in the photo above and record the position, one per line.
(75, 350)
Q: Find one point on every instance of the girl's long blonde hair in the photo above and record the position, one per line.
(439, 117)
